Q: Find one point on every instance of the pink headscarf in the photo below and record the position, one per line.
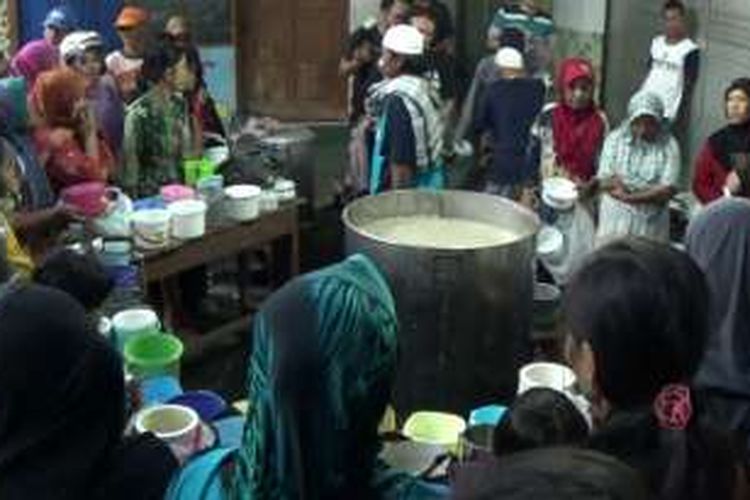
(34, 59)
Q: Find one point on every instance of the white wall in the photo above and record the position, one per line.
(589, 16)
(360, 10)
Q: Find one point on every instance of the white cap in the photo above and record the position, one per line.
(78, 42)
(510, 58)
(405, 40)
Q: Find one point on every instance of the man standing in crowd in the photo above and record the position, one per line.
(674, 63)
(125, 65)
(506, 116)
(445, 31)
(409, 136)
(39, 56)
(360, 66)
(537, 28)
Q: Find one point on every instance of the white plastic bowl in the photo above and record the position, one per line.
(188, 219)
(242, 202)
(559, 193)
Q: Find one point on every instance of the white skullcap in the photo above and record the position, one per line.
(405, 40)
(509, 58)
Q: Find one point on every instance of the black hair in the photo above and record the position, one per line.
(742, 84)
(553, 473)
(540, 418)
(387, 4)
(80, 275)
(674, 5)
(413, 65)
(514, 38)
(643, 309)
(159, 59)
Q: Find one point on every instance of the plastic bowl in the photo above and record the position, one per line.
(88, 197)
(560, 193)
(207, 404)
(548, 375)
(487, 415)
(154, 355)
(441, 429)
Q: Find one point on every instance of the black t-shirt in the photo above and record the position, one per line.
(399, 145)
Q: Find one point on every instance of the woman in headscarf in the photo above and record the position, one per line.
(26, 201)
(42, 55)
(68, 142)
(572, 130)
(320, 377)
(723, 164)
(62, 414)
(83, 51)
(568, 136)
(719, 241)
(638, 172)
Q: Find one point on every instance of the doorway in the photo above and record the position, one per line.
(287, 58)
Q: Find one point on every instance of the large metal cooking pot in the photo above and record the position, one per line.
(292, 149)
(465, 314)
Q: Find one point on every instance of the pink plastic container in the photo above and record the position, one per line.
(176, 192)
(90, 198)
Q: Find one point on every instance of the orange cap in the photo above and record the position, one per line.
(131, 17)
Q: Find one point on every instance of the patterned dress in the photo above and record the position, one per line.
(157, 139)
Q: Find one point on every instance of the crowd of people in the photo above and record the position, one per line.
(528, 120)
(657, 337)
(71, 114)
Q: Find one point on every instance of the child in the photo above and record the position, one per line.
(507, 114)
(540, 418)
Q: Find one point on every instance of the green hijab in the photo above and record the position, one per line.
(320, 377)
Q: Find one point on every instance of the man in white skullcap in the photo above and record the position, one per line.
(409, 136)
(505, 117)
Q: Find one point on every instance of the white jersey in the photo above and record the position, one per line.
(667, 75)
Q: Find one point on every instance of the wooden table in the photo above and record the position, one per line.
(278, 230)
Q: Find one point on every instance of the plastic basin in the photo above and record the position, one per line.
(154, 355)
(207, 404)
(441, 429)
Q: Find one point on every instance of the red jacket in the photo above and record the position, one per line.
(710, 176)
(65, 161)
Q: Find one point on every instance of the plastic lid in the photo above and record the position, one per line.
(241, 191)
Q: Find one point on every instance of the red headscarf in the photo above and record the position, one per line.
(56, 93)
(578, 133)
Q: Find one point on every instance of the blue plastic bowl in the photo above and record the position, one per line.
(207, 404)
(487, 415)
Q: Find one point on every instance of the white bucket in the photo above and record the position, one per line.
(188, 219)
(151, 228)
(133, 322)
(243, 202)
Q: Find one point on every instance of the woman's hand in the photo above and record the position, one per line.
(733, 183)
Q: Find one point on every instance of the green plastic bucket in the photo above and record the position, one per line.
(153, 355)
